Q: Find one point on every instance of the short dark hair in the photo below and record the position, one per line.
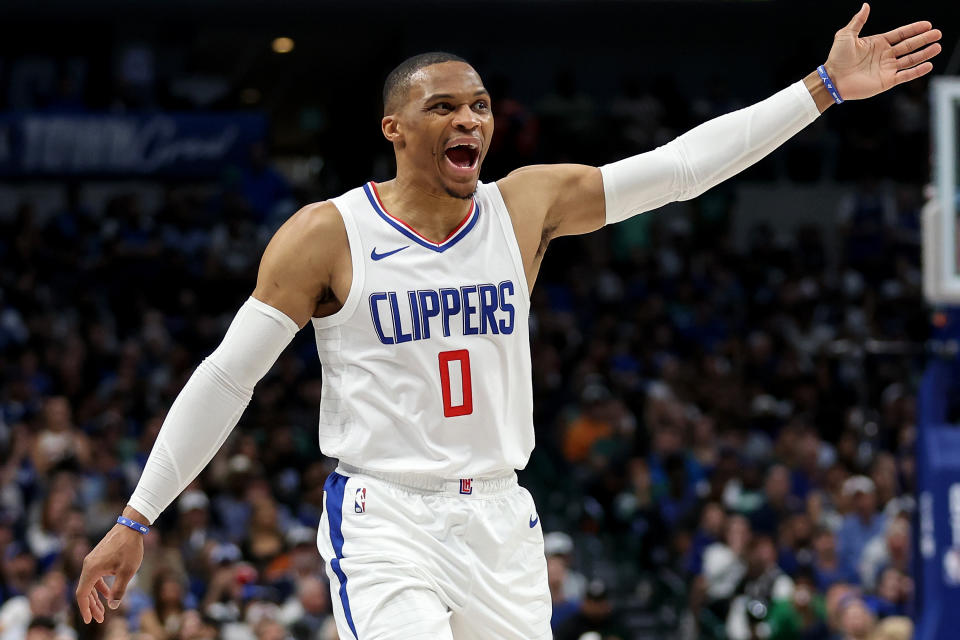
(398, 81)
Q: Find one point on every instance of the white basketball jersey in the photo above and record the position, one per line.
(426, 368)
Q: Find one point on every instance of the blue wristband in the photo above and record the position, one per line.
(136, 526)
(828, 83)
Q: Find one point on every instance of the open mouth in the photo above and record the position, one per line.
(463, 156)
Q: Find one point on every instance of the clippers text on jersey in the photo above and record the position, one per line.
(476, 309)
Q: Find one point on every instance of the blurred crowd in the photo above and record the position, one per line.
(738, 462)
(725, 435)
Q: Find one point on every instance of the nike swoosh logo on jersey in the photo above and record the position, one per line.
(534, 521)
(380, 256)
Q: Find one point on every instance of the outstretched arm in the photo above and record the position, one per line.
(294, 273)
(555, 200)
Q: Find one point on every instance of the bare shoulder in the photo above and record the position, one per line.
(300, 264)
(563, 198)
(308, 239)
(314, 222)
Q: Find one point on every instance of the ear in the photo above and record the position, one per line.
(390, 125)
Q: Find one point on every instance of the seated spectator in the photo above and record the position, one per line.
(195, 627)
(679, 501)
(197, 536)
(46, 535)
(163, 621)
(307, 610)
(18, 570)
(890, 550)
(712, 524)
(801, 617)
(560, 545)
(593, 424)
(827, 569)
(268, 629)
(264, 538)
(894, 589)
(795, 542)
(778, 501)
(59, 441)
(855, 618)
(596, 614)
(564, 607)
(835, 595)
(46, 600)
(764, 583)
(724, 565)
(863, 523)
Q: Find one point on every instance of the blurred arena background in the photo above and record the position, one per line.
(726, 390)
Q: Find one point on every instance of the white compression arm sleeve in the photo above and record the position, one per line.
(210, 404)
(705, 156)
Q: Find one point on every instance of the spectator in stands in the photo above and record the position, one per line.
(801, 617)
(308, 609)
(196, 535)
(890, 550)
(764, 584)
(592, 425)
(45, 600)
(19, 570)
(861, 524)
(856, 620)
(778, 502)
(893, 592)
(710, 530)
(195, 627)
(573, 584)
(59, 442)
(564, 606)
(164, 620)
(725, 565)
(597, 615)
(827, 568)
(264, 538)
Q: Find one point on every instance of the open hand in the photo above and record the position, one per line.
(119, 554)
(863, 67)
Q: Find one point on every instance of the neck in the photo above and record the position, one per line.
(434, 214)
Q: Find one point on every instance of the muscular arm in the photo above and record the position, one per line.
(299, 276)
(295, 272)
(306, 269)
(557, 200)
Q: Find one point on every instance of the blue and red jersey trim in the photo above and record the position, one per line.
(461, 230)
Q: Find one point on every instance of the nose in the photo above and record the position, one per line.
(465, 118)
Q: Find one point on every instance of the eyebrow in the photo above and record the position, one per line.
(450, 96)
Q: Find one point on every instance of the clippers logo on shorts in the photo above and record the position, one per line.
(466, 486)
(360, 502)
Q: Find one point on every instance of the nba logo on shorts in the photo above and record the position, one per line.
(360, 503)
(466, 486)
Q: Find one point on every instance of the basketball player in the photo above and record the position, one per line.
(418, 292)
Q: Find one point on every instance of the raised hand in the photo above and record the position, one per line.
(119, 554)
(863, 67)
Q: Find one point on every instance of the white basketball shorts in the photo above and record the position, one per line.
(413, 557)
